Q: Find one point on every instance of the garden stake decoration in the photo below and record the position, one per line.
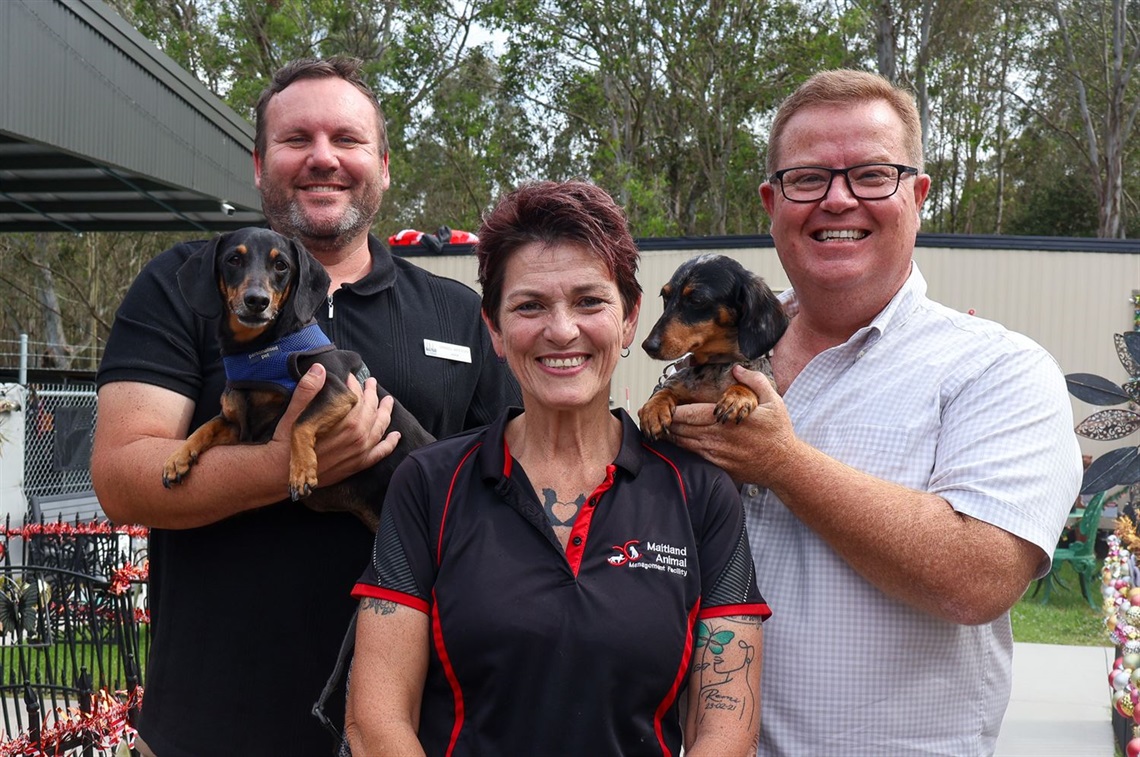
(1118, 467)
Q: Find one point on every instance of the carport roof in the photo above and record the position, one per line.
(101, 131)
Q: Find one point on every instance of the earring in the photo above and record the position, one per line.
(625, 352)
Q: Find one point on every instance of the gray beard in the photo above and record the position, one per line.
(289, 218)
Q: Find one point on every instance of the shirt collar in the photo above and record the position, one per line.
(383, 273)
(494, 464)
(896, 312)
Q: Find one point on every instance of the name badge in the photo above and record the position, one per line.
(457, 352)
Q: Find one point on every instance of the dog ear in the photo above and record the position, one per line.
(312, 283)
(198, 279)
(762, 320)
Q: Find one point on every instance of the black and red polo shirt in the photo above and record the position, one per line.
(539, 651)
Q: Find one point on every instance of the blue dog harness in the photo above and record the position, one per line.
(272, 364)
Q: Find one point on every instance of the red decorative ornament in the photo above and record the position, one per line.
(1132, 749)
(88, 528)
(104, 728)
(129, 573)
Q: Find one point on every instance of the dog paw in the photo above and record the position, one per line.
(736, 404)
(655, 417)
(177, 467)
(302, 481)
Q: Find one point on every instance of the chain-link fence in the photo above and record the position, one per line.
(57, 438)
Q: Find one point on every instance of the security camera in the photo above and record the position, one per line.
(228, 209)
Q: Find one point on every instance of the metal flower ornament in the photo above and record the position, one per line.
(1121, 466)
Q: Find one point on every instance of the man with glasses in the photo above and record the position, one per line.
(911, 471)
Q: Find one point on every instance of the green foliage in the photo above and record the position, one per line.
(665, 103)
(1064, 206)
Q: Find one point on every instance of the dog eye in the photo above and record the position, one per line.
(280, 266)
(698, 300)
(234, 260)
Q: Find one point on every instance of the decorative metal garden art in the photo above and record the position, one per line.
(1119, 467)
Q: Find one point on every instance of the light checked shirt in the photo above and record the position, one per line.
(937, 401)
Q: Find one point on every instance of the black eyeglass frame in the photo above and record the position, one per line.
(903, 171)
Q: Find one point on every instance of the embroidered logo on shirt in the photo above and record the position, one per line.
(625, 553)
(659, 556)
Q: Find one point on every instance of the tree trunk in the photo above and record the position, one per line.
(57, 353)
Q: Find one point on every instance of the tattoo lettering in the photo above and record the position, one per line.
(724, 661)
(561, 514)
(379, 606)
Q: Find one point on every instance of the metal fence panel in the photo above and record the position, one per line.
(58, 436)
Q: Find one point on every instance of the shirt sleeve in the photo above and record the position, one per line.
(155, 338)
(402, 568)
(728, 575)
(1007, 454)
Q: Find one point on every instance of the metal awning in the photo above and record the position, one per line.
(101, 131)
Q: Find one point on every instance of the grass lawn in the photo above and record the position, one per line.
(1066, 619)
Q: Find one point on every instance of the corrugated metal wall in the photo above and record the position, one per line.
(116, 99)
(1069, 302)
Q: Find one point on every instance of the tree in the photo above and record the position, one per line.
(474, 142)
(663, 101)
(63, 289)
(1095, 52)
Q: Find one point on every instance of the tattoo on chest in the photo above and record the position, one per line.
(561, 514)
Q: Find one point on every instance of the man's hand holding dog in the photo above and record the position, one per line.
(748, 451)
(358, 441)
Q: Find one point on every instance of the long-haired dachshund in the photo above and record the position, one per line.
(720, 314)
(265, 289)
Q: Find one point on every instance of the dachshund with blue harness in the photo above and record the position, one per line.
(265, 289)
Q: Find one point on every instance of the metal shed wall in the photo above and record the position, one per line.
(1070, 302)
(115, 98)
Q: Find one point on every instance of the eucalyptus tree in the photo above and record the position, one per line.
(972, 117)
(1088, 91)
(473, 141)
(663, 101)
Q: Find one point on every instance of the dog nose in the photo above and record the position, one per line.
(652, 344)
(256, 302)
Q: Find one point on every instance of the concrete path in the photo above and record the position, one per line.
(1060, 703)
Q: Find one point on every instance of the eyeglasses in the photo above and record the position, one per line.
(869, 181)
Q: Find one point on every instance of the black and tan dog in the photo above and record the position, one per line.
(719, 314)
(265, 289)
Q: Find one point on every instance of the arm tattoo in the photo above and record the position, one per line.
(379, 606)
(723, 661)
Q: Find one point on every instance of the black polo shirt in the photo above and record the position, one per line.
(230, 673)
(539, 651)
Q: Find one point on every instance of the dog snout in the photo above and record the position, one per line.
(256, 300)
(652, 344)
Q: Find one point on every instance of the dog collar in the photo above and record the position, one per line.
(272, 363)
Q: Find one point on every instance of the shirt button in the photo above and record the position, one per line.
(753, 490)
(577, 541)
